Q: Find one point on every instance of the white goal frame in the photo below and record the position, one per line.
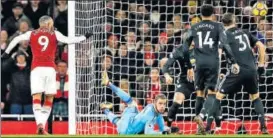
(72, 71)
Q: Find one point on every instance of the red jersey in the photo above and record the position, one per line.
(43, 44)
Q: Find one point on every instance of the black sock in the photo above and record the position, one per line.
(212, 113)
(209, 122)
(172, 112)
(198, 105)
(218, 117)
(207, 104)
(259, 109)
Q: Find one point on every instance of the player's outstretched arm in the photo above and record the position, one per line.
(16, 40)
(71, 40)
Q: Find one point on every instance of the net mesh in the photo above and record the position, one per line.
(132, 37)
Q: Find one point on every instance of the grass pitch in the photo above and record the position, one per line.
(137, 136)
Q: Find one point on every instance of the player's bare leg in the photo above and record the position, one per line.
(37, 110)
(178, 100)
(198, 106)
(259, 109)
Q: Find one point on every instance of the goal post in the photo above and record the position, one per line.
(84, 114)
(131, 32)
(71, 70)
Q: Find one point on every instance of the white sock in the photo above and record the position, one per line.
(37, 110)
(218, 128)
(45, 114)
(201, 115)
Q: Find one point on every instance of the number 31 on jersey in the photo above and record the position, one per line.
(43, 41)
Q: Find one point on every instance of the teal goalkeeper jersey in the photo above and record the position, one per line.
(145, 121)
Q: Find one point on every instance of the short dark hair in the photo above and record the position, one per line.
(227, 19)
(207, 10)
(61, 61)
(17, 4)
(160, 96)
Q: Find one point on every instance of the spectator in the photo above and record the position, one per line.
(112, 44)
(149, 62)
(132, 15)
(120, 23)
(22, 28)
(6, 10)
(11, 24)
(170, 29)
(4, 75)
(105, 62)
(192, 15)
(155, 25)
(247, 21)
(34, 10)
(125, 63)
(165, 45)
(64, 55)
(155, 86)
(142, 13)
(60, 107)
(144, 31)
(61, 17)
(20, 94)
(61, 6)
(218, 12)
(262, 30)
(147, 91)
(130, 38)
(24, 46)
(177, 21)
(4, 40)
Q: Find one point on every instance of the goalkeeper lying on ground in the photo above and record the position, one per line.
(132, 121)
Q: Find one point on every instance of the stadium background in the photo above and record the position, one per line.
(138, 35)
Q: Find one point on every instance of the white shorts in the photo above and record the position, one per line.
(43, 79)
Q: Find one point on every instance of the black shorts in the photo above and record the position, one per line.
(184, 87)
(233, 83)
(206, 78)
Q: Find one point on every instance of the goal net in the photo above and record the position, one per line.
(131, 39)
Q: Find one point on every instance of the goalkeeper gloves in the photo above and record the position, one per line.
(87, 35)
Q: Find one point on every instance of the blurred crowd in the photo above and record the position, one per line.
(18, 17)
(141, 34)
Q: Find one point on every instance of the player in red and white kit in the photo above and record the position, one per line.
(43, 42)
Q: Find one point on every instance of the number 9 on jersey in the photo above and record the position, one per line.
(43, 41)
